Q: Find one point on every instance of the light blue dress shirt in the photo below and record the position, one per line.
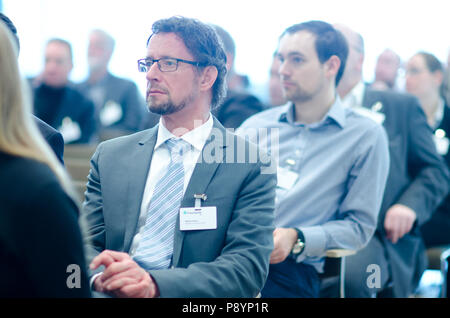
(342, 163)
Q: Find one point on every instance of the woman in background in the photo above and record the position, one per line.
(424, 76)
(41, 251)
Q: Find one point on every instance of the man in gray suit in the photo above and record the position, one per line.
(209, 236)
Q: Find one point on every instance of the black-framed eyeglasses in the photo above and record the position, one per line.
(165, 64)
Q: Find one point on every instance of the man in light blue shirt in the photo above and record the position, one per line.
(333, 163)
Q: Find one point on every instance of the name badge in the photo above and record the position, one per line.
(111, 113)
(70, 130)
(286, 178)
(201, 218)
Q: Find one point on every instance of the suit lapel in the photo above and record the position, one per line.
(139, 163)
(200, 179)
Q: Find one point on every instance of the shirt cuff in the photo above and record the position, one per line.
(315, 242)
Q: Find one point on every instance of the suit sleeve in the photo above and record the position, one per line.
(92, 212)
(242, 266)
(430, 175)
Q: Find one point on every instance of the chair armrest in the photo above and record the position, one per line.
(339, 252)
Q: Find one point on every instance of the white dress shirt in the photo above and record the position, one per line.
(160, 161)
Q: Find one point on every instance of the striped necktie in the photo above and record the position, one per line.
(155, 249)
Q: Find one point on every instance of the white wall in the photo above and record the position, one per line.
(404, 26)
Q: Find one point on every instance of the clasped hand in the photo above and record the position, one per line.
(122, 277)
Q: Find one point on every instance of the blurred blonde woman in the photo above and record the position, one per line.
(41, 253)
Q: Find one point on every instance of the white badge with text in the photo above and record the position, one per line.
(201, 218)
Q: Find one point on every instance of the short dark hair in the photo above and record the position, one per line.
(432, 62)
(203, 43)
(329, 42)
(12, 28)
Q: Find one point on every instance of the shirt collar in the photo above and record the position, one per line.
(196, 137)
(335, 114)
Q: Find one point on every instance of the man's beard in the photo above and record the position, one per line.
(168, 107)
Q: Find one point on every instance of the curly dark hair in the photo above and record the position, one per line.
(203, 43)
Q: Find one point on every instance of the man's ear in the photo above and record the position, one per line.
(208, 77)
(332, 66)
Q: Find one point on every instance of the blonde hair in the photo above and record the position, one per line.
(19, 134)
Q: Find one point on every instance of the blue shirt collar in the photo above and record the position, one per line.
(336, 114)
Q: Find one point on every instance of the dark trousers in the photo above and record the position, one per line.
(289, 279)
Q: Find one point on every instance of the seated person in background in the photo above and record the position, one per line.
(40, 240)
(386, 71)
(333, 162)
(276, 94)
(120, 108)
(238, 104)
(56, 101)
(424, 75)
(51, 135)
(417, 182)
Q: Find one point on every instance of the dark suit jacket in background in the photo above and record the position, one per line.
(418, 178)
(436, 231)
(73, 105)
(126, 94)
(230, 261)
(53, 138)
(236, 108)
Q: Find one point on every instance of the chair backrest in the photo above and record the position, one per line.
(78, 169)
(79, 152)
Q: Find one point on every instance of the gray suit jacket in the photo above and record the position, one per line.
(230, 261)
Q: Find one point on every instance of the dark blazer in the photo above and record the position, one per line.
(236, 108)
(73, 105)
(418, 178)
(126, 94)
(230, 261)
(53, 138)
(436, 231)
(39, 233)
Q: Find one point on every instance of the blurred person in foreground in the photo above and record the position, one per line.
(424, 76)
(40, 239)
